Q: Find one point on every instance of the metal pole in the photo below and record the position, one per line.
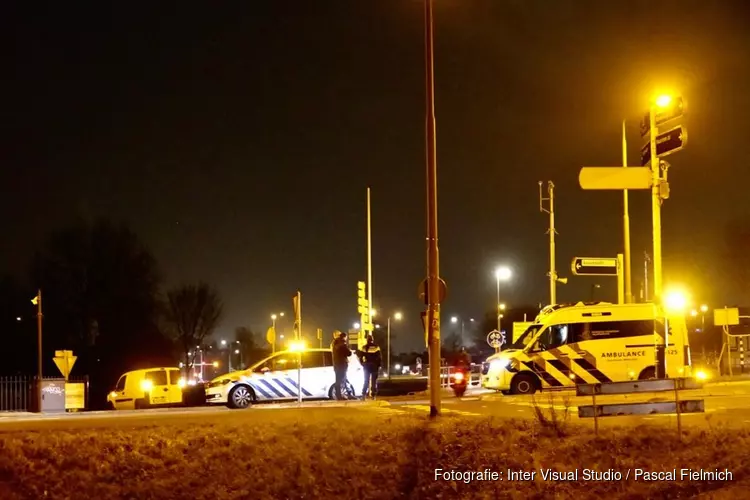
(298, 333)
(462, 333)
(39, 349)
(645, 276)
(497, 306)
(299, 377)
(552, 270)
(433, 264)
(369, 258)
(656, 206)
(661, 362)
(388, 355)
(626, 224)
(273, 344)
(621, 283)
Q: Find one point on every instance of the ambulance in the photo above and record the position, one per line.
(587, 343)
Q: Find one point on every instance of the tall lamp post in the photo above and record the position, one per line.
(397, 316)
(501, 274)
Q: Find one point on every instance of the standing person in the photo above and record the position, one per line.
(371, 358)
(340, 353)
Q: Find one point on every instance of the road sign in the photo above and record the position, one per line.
(495, 339)
(271, 335)
(589, 266)
(667, 143)
(614, 178)
(675, 109)
(422, 291)
(64, 360)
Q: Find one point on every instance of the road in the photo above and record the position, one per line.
(725, 404)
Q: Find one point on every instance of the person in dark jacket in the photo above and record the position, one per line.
(371, 359)
(340, 352)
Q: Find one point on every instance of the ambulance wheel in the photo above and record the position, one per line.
(523, 384)
(240, 397)
(648, 373)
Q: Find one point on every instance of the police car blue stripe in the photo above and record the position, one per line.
(297, 387)
(272, 388)
(287, 389)
(261, 391)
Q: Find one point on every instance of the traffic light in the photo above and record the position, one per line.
(363, 305)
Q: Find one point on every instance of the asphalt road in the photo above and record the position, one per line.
(725, 404)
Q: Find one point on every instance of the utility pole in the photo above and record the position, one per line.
(551, 211)
(369, 256)
(434, 286)
(655, 203)
(646, 260)
(298, 316)
(626, 223)
(38, 302)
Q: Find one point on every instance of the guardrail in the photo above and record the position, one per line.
(677, 406)
(20, 393)
(475, 379)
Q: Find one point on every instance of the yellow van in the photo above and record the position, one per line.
(148, 388)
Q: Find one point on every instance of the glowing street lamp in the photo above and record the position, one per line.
(675, 302)
(502, 273)
(356, 326)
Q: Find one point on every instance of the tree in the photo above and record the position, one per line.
(192, 313)
(100, 293)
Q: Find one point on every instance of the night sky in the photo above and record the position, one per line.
(238, 142)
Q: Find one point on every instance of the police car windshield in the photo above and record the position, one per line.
(525, 337)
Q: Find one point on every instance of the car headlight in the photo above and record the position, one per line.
(701, 375)
(499, 364)
(147, 385)
(113, 394)
(181, 382)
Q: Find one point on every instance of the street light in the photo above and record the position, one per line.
(502, 273)
(454, 320)
(397, 316)
(356, 326)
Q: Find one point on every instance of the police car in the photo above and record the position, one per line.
(275, 379)
(588, 343)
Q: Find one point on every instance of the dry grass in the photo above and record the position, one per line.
(351, 454)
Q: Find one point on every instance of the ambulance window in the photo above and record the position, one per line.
(174, 377)
(121, 383)
(580, 332)
(157, 377)
(543, 342)
(559, 335)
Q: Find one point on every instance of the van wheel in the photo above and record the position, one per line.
(523, 384)
(648, 374)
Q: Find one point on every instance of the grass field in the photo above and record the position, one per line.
(351, 453)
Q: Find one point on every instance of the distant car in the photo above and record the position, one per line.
(275, 379)
(148, 388)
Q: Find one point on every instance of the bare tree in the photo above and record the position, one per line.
(192, 313)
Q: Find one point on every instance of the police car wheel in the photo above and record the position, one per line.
(523, 384)
(240, 397)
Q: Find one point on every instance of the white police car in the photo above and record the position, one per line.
(275, 379)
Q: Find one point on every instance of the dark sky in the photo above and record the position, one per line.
(238, 142)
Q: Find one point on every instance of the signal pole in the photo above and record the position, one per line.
(433, 265)
(551, 232)
(655, 203)
(369, 255)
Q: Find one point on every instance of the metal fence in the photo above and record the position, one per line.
(475, 379)
(18, 393)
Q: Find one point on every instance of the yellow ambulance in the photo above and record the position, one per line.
(589, 343)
